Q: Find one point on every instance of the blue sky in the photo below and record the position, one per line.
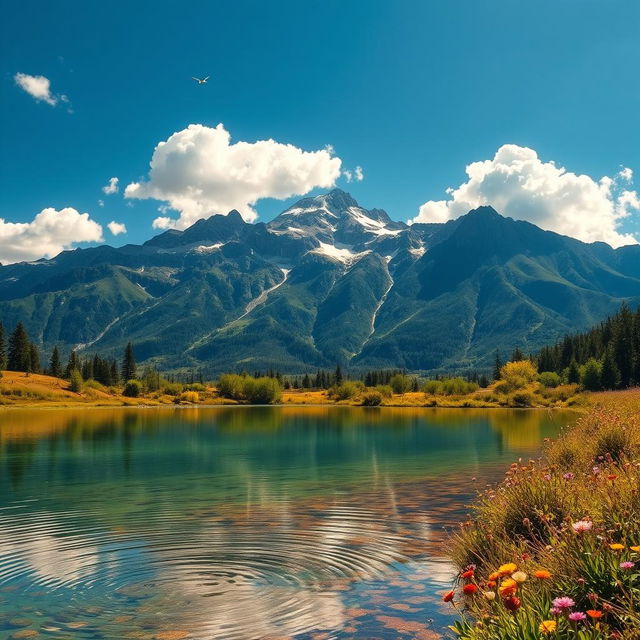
(411, 91)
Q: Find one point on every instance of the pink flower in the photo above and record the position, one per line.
(569, 476)
(555, 611)
(577, 616)
(627, 565)
(582, 526)
(565, 602)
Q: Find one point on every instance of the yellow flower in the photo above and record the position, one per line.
(636, 548)
(519, 576)
(506, 569)
(508, 587)
(616, 546)
(548, 626)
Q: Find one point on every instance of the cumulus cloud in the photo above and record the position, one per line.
(49, 233)
(111, 187)
(626, 174)
(520, 185)
(39, 88)
(117, 228)
(357, 174)
(198, 173)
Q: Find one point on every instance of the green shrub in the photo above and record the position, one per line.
(591, 375)
(521, 399)
(371, 398)
(172, 388)
(432, 387)
(195, 386)
(384, 390)
(516, 375)
(76, 383)
(231, 385)
(262, 390)
(549, 379)
(132, 389)
(449, 387)
(346, 390)
(401, 383)
(94, 384)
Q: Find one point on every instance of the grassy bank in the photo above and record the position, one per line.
(520, 386)
(554, 550)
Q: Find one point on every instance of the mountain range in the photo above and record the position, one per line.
(325, 282)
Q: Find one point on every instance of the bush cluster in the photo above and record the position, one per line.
(263, 390)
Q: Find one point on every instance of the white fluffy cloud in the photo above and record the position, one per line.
(117, 228)
(46, 235)
(357, 174)
(39, 88)
(518, 184)
(198, 172)
(111, 187)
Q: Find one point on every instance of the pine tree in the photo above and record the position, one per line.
(610, 376)
(497, 366)
(128, 364)
(19, 350)
(3, 349)
(73, 364)
(573, 373)
(338, 375)
(517, 355)
(55, 368)
(35, 366)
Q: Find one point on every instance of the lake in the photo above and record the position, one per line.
(242, 522)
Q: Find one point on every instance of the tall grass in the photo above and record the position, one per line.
(568, 525)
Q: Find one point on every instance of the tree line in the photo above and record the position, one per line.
(19, 353)
(604, 357)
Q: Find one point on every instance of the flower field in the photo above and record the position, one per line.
(554, 550)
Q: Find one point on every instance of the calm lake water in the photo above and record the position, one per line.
(241, 523)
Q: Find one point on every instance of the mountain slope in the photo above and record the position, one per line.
(326, 281)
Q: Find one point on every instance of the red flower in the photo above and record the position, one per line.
(469, 589)
(467, 574)
(612, 476)
(594, 613)
(512, 603)
(491, 584)
(448, 597)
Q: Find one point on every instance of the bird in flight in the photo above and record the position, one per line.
(201, 80)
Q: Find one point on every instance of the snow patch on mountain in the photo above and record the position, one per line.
(344, 254)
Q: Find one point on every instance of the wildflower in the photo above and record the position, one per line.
(612, 477)
(569, 476)
(494, 576)
(508, 588)
(564, 602)
(548, 626)
(627, 565)
(519, 576)
(469, 589)
(577, 616)
(554, 611)
(593, 597)
(512, 603)
(595, 470)
(616, 546)
(635, 548)
(448, 597)
(542, 574)
(491, 584)
(547, 476)
(594, 614)
(582, 526)
(467, 574)
(490, 595)
(507, 569)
